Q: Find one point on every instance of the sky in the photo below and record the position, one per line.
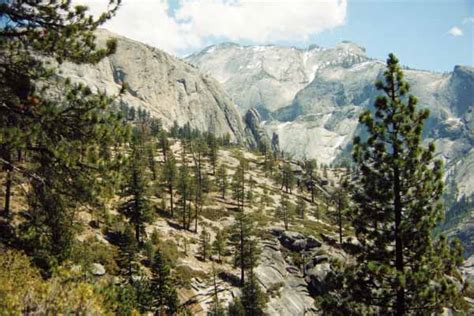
(424, 34)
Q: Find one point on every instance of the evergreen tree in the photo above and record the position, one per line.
(301, 207)
(165, 298)
(137, 208)
(219, 244)
(199, 148)
(213, 151)
(164, 144)
(238, 184)
(127, 254)
(253, 299)
(250, 191)
(184, 188)
(341, 201)
(310, 167)
(241, 238)
(205, 244)
(169, 175)
(265, 198)
(222, 180)
(286, 210)
(216, 308)
(55, 138)
(400, 269)
(287, 178)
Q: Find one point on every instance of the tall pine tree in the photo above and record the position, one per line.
(397, 195)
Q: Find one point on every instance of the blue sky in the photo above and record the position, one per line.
(424, 34)
(416, 31)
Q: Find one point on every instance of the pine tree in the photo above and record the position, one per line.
(250, 191)
(285, 211)
(213, 151)
(241, 238)
(219, 244)
(127, 254)
(222, 180)
(265, 199)
(253, 299)
(57, 137)
(184, 188)
(400, 269)
(238, 184)
(165, 299)
(198, 148)
(301, 207)
(216, 308)
(137, 208)
(169, 175)
(287, 178)
(310, 166)
(341, 203)
(204, 244)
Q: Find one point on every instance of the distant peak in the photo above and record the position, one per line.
(348, 45)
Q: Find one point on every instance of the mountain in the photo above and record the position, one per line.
(167, 87)
(311, 98)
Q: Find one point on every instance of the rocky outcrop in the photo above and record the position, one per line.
(257, 135)
(169, 88)
(284, 283)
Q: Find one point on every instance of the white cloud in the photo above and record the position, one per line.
(467, 20)
(198, 22)
(455, 31)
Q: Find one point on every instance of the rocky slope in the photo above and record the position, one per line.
(167, 87)
(311, 98)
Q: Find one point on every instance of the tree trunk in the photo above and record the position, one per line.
(8, 187)
(242, 271)
(170, 187)
(400, 302)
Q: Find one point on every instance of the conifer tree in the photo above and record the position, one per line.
(285, 210)
(287, 178)
(57, 136)
(213, 151)
(341, 201)
(241, 238)
(310, 166)
(301, 207)
(205, 244)
(127, 254)
(400, 269)
(184, 188)
(165, 299)
(222, 180)
(238, 184)
(169, 176)
(62, 32)
(219, 244)
(216, 308)
(253, 299)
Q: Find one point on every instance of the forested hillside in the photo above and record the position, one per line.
(108, 208)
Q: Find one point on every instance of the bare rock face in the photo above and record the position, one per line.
(169, 88)
(284, 284)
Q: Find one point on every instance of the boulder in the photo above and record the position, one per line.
(97, 269)
(298, 242)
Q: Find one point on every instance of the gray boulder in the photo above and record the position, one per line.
(97, 269)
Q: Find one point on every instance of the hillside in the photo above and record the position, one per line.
(293, 263)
